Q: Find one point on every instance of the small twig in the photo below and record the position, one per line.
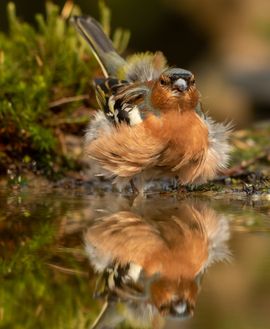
(73, 251)
(66, 100)
(67, 270)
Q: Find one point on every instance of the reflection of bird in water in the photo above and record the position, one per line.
(154, 265)
(150, 124)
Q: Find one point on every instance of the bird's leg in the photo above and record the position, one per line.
(175, 183)
(133, 187)
(182, 189)
(135, 193)
(179, 187)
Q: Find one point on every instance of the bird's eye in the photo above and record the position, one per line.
(192, 81)
(162, 82)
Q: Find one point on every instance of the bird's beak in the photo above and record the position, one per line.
(180, 308)
(183, 81)
(183, 310)
(180, 84)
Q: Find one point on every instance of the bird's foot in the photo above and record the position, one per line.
(134, 189)
(182, 189)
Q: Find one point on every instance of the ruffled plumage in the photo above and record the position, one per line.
(150, 122)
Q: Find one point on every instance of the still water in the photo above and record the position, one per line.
(72, 260)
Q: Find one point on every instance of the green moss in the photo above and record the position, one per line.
(33, 294)
(253, 142)
(39, 65)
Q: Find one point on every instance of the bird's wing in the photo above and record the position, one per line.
(121, 101)
(105, 95)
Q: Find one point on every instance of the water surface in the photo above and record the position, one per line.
(158, 262)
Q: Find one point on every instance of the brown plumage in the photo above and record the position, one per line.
(174, 250)
(155, 148)
(151, 123)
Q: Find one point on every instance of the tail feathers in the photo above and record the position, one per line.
(100, 44)
(108, 317)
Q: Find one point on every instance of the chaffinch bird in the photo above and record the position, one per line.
(154, 264)
(150, 123)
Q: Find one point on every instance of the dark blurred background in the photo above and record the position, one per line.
(226, 43)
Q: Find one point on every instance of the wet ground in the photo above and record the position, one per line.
(165, 261)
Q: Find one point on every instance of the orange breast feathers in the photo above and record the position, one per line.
(174, 142)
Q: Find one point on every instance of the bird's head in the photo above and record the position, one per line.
(176, 298)
(175, 89)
